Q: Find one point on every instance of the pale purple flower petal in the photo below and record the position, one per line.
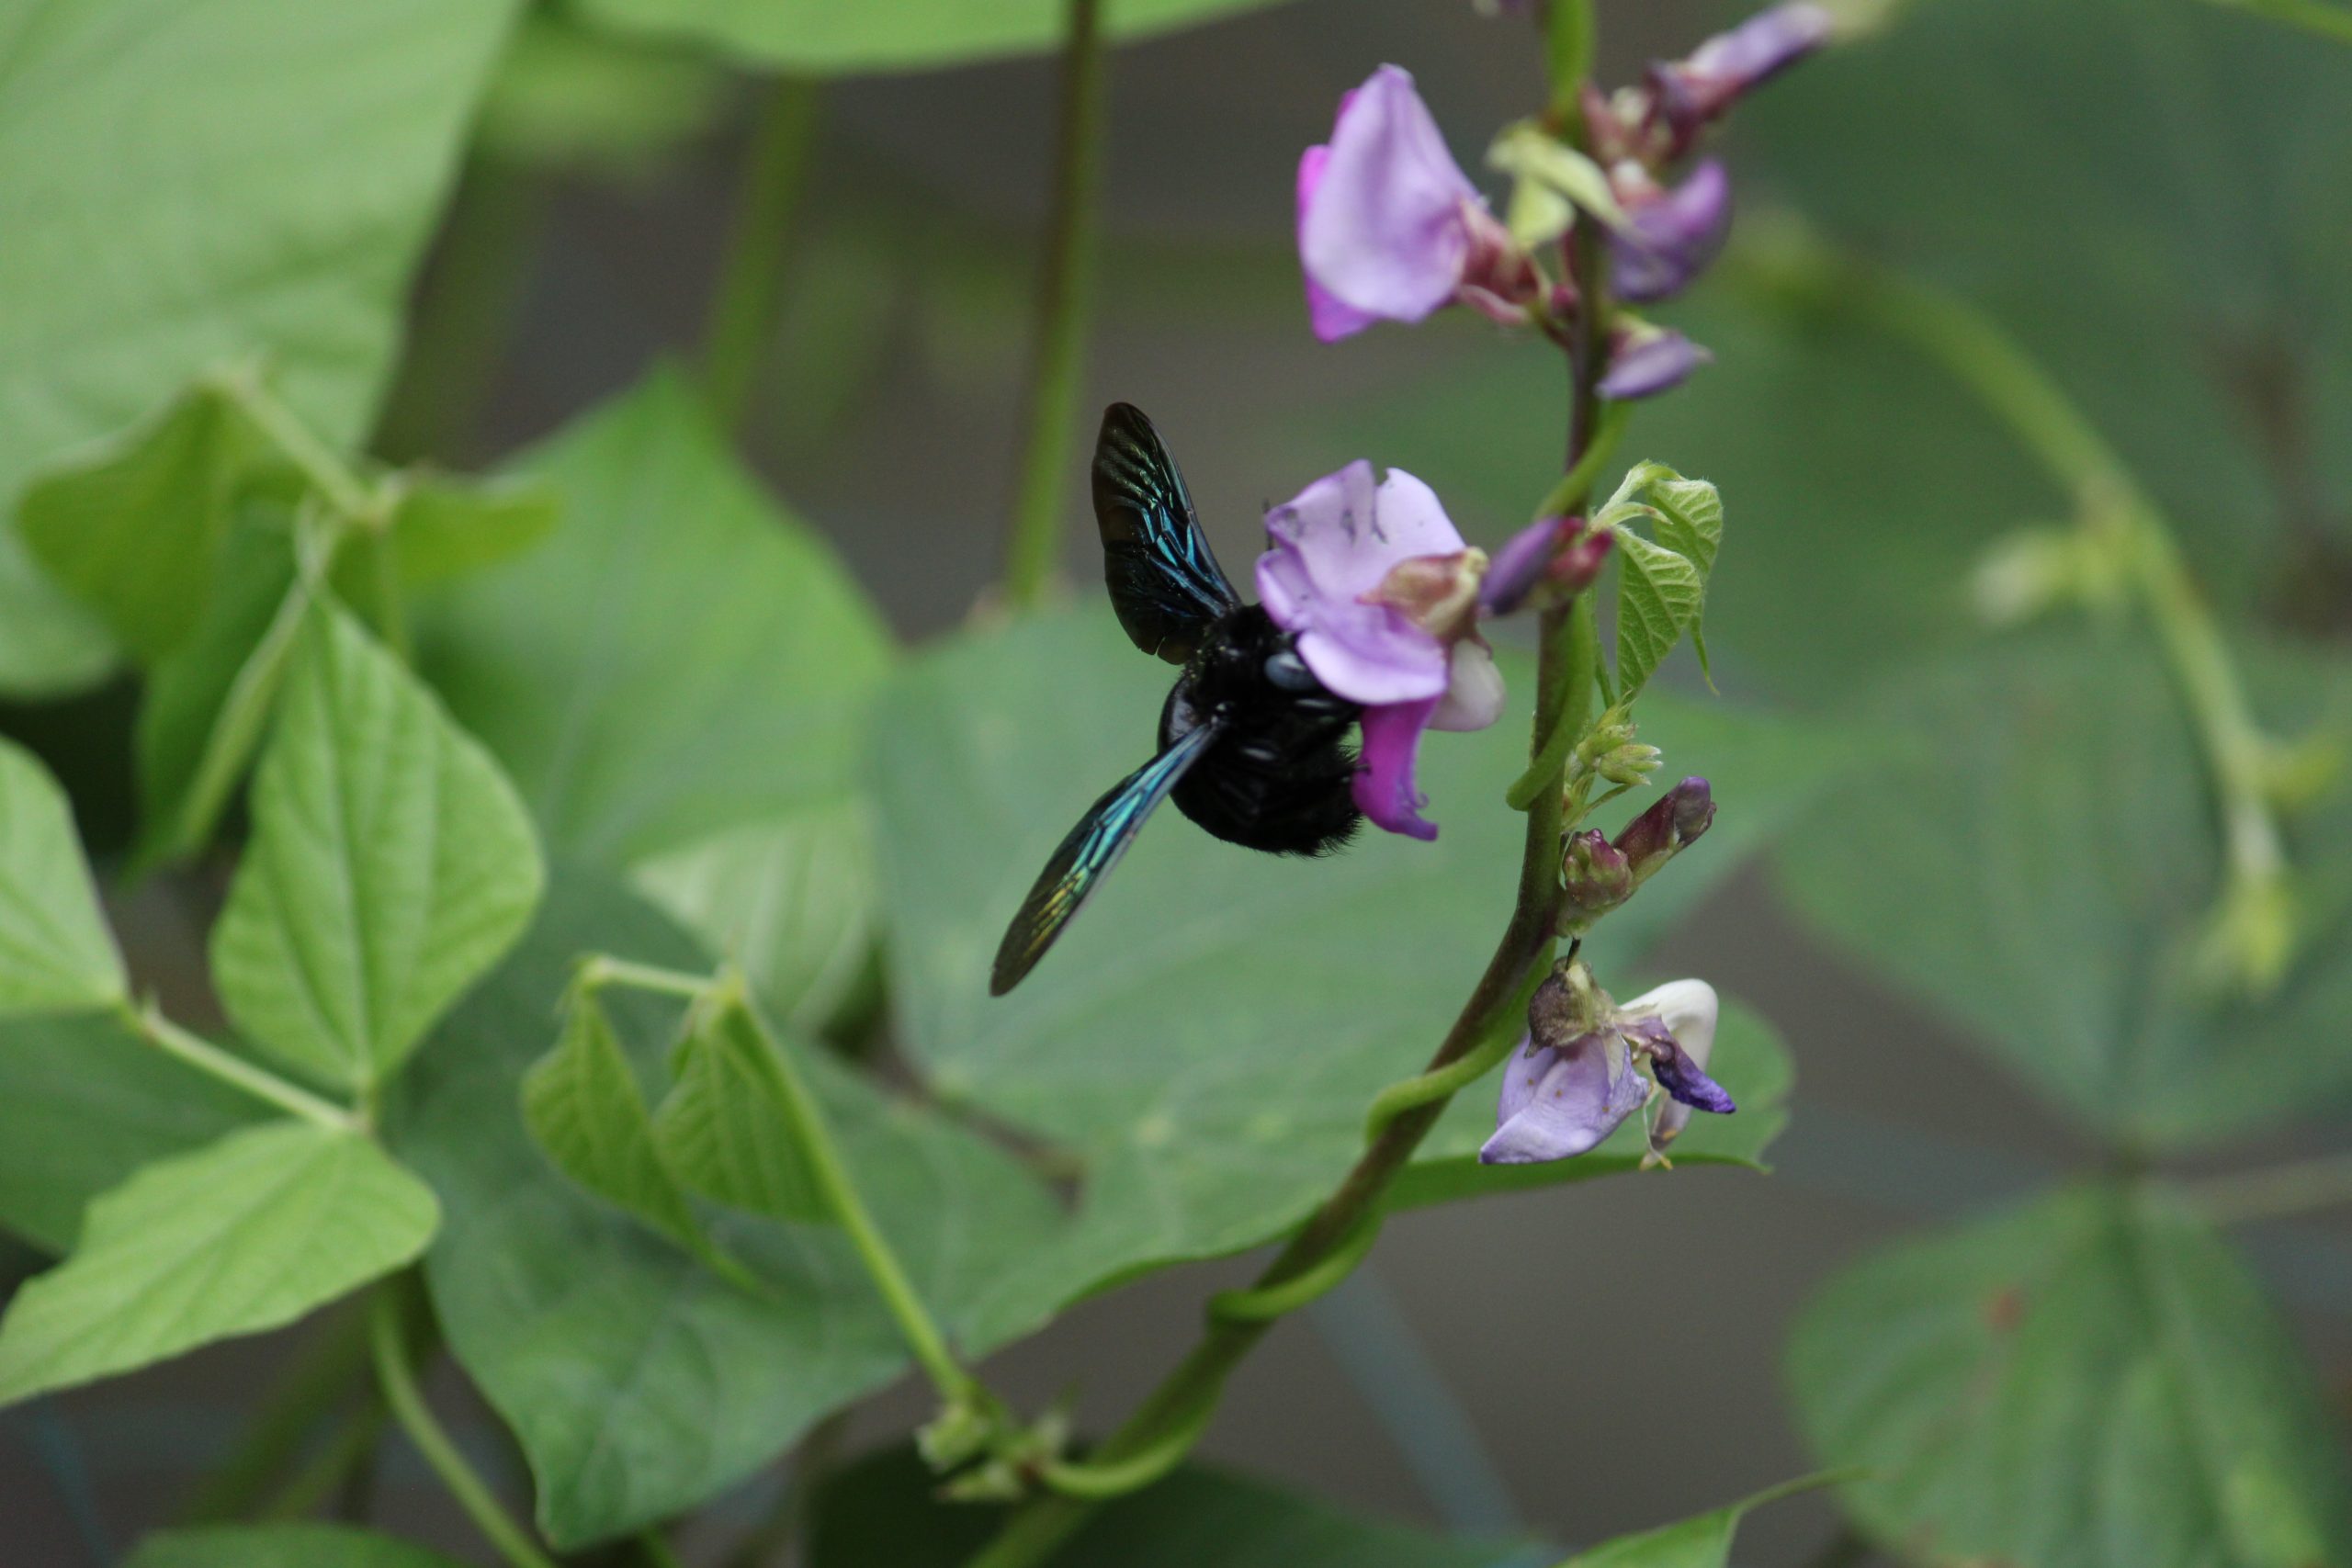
(1333, 544)
(1384, 786)
(1674, 236)
(1330, 320)
(1652, 362)
(1558, 1103)
(1381, 227)
(1473, 690)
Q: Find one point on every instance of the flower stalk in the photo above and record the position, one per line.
(750, 291)
(2252, 937)
(1065, 292)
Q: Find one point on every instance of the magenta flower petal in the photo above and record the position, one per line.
(1333, 545)
(1384, 784)
(1658, 362)
(1381, 230)
(1556, 1104)
(1674, 236)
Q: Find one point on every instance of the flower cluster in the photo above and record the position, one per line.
(1390, 228)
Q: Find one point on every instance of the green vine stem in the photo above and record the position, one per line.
(150, 1024)
(744, 303)
(2254, 921)
(322, 1374)
(387, 1340)
(1065, 292)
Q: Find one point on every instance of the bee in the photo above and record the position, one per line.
(1252, 747)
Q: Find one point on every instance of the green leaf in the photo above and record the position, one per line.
(305, 159)
(444, 528)
(244, 1234)
(1659, 595)
(56, 955)
(282, 1546)
(721, 1128)
(2092, 1380)
(132, 529)
(639, 1382)
(84, 1102)
(1204, 1041)
(1702, 1540)
(679, 682)
(819, 37)
(207, 702)
(390, 865)
(885, 1509)
(2051, 796)
(680, 658)
(583, 1104)
(1689, 519)
(792, 900)
(569, 94)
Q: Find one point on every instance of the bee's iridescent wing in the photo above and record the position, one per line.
(1087, 856)
(1164, 579)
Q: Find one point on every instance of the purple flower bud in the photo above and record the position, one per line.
(1689, 93)
(1674, 234)
(1545, 563)
(1645, 362)
(1580, 563)
(1596, 874)
(1672, 822)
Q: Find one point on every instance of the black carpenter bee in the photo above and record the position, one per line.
(1251, 746)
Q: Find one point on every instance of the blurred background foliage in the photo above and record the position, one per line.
(1963, 870)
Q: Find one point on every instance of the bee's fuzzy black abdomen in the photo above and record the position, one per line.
(1279, 779)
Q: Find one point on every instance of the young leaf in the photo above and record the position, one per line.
(444, 528)
(56, 955)
(207, 704)
(308, 147)
(133, 528)
(1702, 1540)
(2095, 1378)
(1659, 595)
(722, 1129)
(581, 1101)
(244, 1235)
(1689, 516)
(282, 1546)
(390, 864)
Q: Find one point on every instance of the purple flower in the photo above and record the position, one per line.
(1673, 236)
(1646, 360)
(1376, 585)
(1562, 1099)
(1389, 227)
(1689, 93)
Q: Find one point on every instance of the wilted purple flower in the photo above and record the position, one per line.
(1564, 1099)
(1672, 823)
(1689, 93)
(1646, 360)
(1378, 588)
(1389, 227)
(1672, 236)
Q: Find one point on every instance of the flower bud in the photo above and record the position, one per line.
(1630, 764)
(1595, 873)
(1546, 563)
(1646, 360)
(1674, 820)
(1687, 94)
(1670, 235)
